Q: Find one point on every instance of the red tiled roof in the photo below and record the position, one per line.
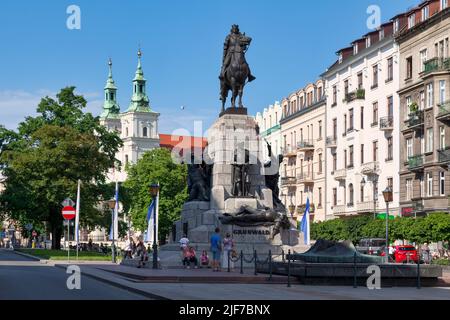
(183, 142)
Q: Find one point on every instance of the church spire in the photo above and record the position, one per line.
(139, 100)
(110, 106)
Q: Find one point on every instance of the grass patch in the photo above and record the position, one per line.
(62, 254)
(442, 262)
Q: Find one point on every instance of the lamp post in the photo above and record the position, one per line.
(154, 190)
(112, 205)
(387, 194)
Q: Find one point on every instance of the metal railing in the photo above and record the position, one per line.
(444, 155)
(444, 109)
(331, 141)
(415, 119)
(305, 177)
(415, 162)
(357, 94)
(436, 64)
(305, 144)
(387, 123)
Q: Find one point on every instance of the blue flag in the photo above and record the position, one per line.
(150, 210)
(304, 226)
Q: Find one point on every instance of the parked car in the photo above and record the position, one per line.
(371, 246)
(404, 254)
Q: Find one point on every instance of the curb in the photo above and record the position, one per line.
(30, 256)
(120, 286)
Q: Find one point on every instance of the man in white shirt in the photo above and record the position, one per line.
(184, 241)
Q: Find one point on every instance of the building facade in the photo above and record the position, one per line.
(362, 111)
(303, 148)
(423, 37)
(137, 126)
(270, 129)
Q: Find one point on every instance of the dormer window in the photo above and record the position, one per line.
(381, 34)
(444, 4)
(411, 21)
(340, 57)
(355, 49)
(368, 42)
(425, 13)
(396, 25)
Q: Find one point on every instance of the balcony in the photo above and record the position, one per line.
(370, 168)
(340, 174)
(415, 120)
(415, 163)
(435, 65)
(444, 156)
(288, 181)
(301, 208)
(359, 94)
(306, 178)
(418, 206)
(305, 145)
(444, 112)
(331, 142)
(289, 151)
(387, 123)
(339, 210)
(366, 206)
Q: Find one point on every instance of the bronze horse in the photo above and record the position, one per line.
(236, 74)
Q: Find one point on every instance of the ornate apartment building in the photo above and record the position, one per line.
(138, 125)
(303, 148)
(423, 36)
(270, 128)
(362, 113)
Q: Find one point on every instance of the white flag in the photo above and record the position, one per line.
(77, 214)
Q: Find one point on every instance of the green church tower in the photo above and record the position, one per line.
(111, 108)
(139, 99)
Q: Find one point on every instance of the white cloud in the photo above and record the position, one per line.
(171, 120)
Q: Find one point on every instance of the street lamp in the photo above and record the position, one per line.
(112, 205)
(387, 194)
(291, 209)
(154, 190)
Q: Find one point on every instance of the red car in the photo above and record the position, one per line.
(404, 254)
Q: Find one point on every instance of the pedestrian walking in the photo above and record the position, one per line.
(216, 249)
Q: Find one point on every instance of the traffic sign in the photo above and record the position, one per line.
(67, 203)
(68, 212)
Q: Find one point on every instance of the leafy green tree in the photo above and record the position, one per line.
(43, 161)
(156, 166)
(333, 230)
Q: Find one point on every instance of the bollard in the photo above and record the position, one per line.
(270, 265)
(418, 273)
(354, 271)
(289, 269)
(255, 258)
(242, 262)
(228, 260)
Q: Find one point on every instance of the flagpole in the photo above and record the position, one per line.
(77, 216)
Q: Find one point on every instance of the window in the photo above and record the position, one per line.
(425, 13)
(396, 25)
(422, 100)
(355, 49)
(409, 148)
(141, 88)
(320, 163)
(409, 68)
(346, 87)
(351, 156)
(334, 197)
(390, 182)
(375, 76)
(144, 132)
(362, 117)
(362, 154)
(444, 4)
(375, 113)
(368, 42)
(351, 119)
(407, 107)
(126, 132)
(390, 149)
(320, 129)
(334, 128)
(320, 198)
(360, 80)
(422, 186)
(341, 57)
(423, 59)
(429, 184)
(442, 183)
(390, 69)
(390, 106)
(351, 194)
(430, 100)
(411, 20)
(441, 91)
(408, 189)
(361, 193)
(381, 34)
(422, 143)
(375, 151)
(442, 137)
(429, 146)
(345, 158)
(334, 162)
(345, 124)
(111, 96)
(126, 159)
(334, 95)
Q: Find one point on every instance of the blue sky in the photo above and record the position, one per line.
(293, 42)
